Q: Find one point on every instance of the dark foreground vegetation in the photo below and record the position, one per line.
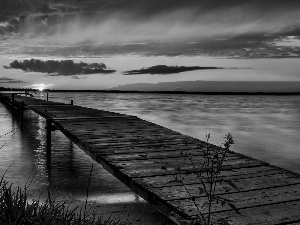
(163, 69)
(62, 67)
(15, 208)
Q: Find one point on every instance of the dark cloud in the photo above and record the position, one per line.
(231, 28)
(164, 69)
(55, 67)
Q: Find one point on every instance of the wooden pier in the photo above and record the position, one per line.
(137, 152)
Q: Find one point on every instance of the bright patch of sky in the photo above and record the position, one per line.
(235, 70)
(290, 41)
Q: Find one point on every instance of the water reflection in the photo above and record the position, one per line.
(70, 167)
(116, 198)
(41, 165)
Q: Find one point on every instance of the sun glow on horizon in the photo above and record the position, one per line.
(40, 86)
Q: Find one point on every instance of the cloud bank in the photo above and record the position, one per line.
(170, 27)
(55, 67)
(163, 69)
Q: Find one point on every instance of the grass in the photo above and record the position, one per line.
(16, 209)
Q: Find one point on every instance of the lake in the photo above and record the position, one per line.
(264, 127)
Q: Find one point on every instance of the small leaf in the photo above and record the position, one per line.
(201, 190)
(164, 168)
(178, 168)
(226, 199)
(223, 203)
(174, 181)
(223, 221)
(227, 189)
(231, 184)
(234, 208)
(143, 156)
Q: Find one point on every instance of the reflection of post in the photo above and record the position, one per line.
(48, 137)
(137, 198)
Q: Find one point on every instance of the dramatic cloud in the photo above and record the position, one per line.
(163, 69)
(63, 67)
(171, 27)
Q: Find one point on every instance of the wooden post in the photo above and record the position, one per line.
(71, 102)
(47, 96)
(48, 138)
(22, 114)
(12, 102)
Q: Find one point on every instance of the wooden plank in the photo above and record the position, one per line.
(132, 121)
(138, 149)
(241, 200)
(97, 143)
(269, 181)
(97, 132)
(277, 214)
(158, 171)
(168, 180)
(140, 173)
(176, 153)
(172, 163)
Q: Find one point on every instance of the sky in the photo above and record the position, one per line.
(75, 29)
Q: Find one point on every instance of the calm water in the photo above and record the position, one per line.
(264, 127)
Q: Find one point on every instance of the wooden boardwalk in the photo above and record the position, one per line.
(135, 151)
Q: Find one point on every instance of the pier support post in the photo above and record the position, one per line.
(22, 114)
(47, 96)
(12, 102)
(49, 127)
(71, 102)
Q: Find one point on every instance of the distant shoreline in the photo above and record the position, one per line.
(181, 92)
(154, 92)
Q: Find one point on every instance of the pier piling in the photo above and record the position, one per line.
(48, 137)
(22, 114)
(12, 102)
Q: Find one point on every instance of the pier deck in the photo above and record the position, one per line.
(137, 152)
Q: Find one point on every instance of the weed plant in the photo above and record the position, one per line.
(208, 176)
